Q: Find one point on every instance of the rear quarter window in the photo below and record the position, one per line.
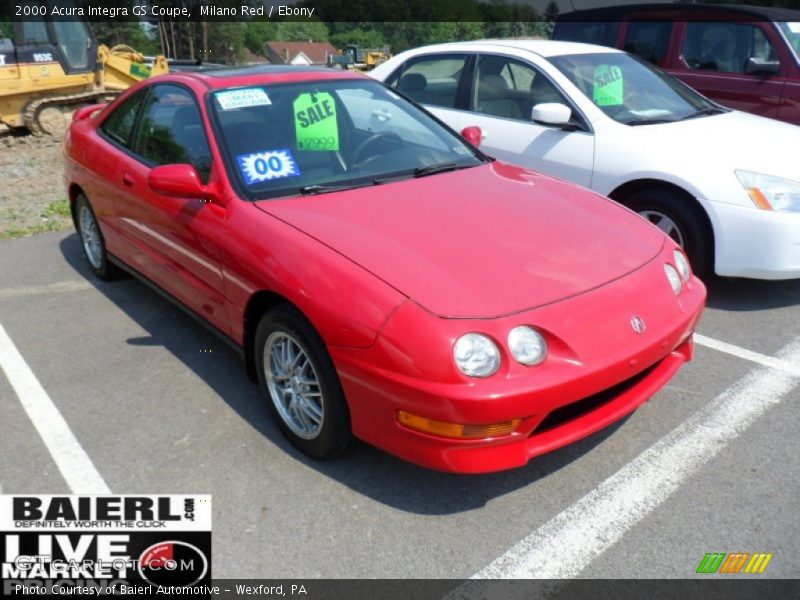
(120, 123)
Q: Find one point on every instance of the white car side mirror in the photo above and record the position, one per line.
(551, 113)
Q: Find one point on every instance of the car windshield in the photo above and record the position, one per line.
(630, 91)
(320, 136)
(792, 33)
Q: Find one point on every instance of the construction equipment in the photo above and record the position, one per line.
(51, 67)
(362, 59)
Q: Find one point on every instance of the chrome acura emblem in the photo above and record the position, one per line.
(638, 325)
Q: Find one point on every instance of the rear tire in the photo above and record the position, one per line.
(683, 220)
(92, 241)
(297, 377)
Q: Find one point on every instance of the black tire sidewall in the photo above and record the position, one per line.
(698, 240)
(106, 270)
(335, 436)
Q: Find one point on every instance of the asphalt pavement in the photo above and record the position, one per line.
(159, 405)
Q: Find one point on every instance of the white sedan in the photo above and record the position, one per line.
(724, 184)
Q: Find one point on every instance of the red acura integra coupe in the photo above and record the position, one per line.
(382, 278)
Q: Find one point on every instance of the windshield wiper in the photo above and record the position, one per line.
(649, 122)
(433, 169)
(310, 190)
(713, 110)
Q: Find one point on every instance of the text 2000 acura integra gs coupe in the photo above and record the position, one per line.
(383, 278)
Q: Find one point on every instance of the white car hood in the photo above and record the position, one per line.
(730, 141)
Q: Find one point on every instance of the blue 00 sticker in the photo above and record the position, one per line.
(265, 166)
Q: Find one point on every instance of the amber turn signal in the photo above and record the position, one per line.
(456, 430)
(759, 199)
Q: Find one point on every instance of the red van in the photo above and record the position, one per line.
(743, 57)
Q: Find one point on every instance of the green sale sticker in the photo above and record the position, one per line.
(608, 86)
(315, 124)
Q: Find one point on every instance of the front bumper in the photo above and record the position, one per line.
(756, 243)
(604, 375)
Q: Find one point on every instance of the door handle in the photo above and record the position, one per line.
(127, 179)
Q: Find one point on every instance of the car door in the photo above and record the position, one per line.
(714, 61)
(176, 240)
(503, 90)
(103, 158)
(436, 81)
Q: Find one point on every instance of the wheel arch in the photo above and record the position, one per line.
(257, 305)
(73, 192)
(624, 191)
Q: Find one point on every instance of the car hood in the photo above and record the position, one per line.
(481, 242)
(730, 141)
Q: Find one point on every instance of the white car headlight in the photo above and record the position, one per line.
(674, 278)
(476, 355)
(771, 193)
(527, 345)
(682, 264)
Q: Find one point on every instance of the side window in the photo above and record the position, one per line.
(119, 125)
(433, 79)
(508, 88)
(371, 114)
(648, 40)
(725, 47)
(171, 130)
(72, 38)
(603, 33)
(34, 32)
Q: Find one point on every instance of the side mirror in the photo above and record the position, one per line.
(473, 135)
(760, 66)
(181, 181)
(87, 111)
(551, 113)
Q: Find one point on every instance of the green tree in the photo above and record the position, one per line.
(550, 16)
(291, 31)
(257, 33)
(359, 36)
(139, 36)
(226, 42)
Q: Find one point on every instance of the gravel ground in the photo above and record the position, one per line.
(32, 195)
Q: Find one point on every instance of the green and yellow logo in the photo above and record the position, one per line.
(734, 562)
(140, 70)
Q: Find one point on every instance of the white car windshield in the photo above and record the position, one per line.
(792, 32)
(323, 136)
(630, 91)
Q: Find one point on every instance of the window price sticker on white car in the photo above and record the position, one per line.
(608, 86)
(265, 166)
(243, 98)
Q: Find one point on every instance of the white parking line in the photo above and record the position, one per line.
(761, 359)
(75, 465)
(566, 544)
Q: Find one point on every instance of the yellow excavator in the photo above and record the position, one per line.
(51, 67)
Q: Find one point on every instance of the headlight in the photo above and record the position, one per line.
(771, 193)
(476, 355)
(527, 345)
(682, 264)
(674, 278)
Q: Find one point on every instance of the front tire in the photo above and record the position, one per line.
(92, 241)
(297, 377)
(682, 220)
